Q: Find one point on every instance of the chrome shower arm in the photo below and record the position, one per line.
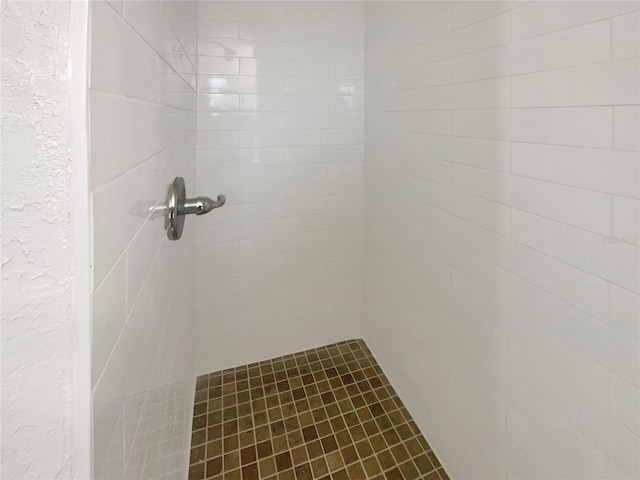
(202, 205)
(178, 206)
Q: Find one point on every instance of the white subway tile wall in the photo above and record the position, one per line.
(280, 131)
(142, 134)
(501, 168)
(501, 230)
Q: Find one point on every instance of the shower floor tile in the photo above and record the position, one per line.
(325, 413)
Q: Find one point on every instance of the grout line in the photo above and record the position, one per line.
(124, 96)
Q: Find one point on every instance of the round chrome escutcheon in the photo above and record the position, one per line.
(175, 204)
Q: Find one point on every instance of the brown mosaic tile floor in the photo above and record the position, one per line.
(326, 413)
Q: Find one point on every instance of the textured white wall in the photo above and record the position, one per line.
(280, 131)
(501, 239)
(142, 135)
(37, 251)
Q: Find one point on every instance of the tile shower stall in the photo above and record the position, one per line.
(427, 265)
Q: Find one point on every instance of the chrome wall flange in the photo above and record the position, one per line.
(178, 206)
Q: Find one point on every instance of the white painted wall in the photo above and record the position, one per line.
(501, 240)
(37, 248)
(280, 132)
(142, 135)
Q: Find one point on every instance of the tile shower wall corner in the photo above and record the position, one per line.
(280, 132)
(501, 230)
(142, 135)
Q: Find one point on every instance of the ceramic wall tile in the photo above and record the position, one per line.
(142, 116)
(501, 230)
(280, 132)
